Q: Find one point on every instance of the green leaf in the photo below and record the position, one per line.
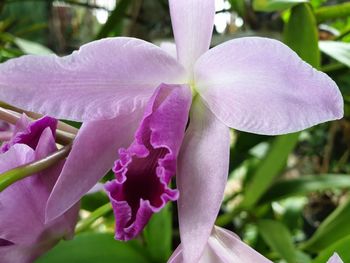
(158, 235)
(277, 236)
(300, 34)
(238, 6)
(95, 247)
(332, 12)
(275, 5)
(30, 47)
(244, 142)
(304, 185)
(340, 51)
(115, 20)
(333, 228)
(341, 247)
(269, 168)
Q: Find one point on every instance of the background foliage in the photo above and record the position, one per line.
(287, 196)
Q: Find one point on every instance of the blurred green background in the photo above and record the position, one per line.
(288, 196)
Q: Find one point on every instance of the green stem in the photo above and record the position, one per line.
(21, 172)
(87, 222)
(332, 12)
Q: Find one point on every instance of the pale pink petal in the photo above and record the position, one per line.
(259, 85)
(103, 79)
(201, 178)
(223, 246)
(335, 259)
(169, 48)
(193, 22)
(92, 156)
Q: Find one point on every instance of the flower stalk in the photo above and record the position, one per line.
(87, 222)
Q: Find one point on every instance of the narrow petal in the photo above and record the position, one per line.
(193, 22)
(223, 246)
(201, 178)
(101, 80)
(146, 167)
(228, 247)
(259, 85)
(94, 151)
(335, 259)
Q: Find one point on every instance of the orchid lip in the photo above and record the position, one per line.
(144, 169)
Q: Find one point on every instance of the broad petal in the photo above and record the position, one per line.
(259, 85)
(103, 79)
(94, 151)
(201, 178)
(193, 22)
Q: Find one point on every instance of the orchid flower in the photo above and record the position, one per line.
(23, 234)
(224, 246)
(251, 84)
(335, 259)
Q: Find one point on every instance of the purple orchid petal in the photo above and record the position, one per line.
(6, 131)
(25, 200)
(335, 259)
(93, 153)
(260, 85)
(193, 23)
(144, 170)
(223, 247)
(101, 80)
(201, 178)
(29, 133)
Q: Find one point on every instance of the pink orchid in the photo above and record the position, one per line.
(23, 234)
(223, 246)
(252, 84)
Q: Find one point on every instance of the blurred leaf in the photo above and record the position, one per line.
(158, 235)
(304, 185)
(332, 12)
(341, 247)
(300, 34)
(269, 168)
(245, 142)
(238, 6)
(317, 3)
(30, 47)
(95, 247)
(275, 5)
(115, 19)
(333, 228)
(277, 236)
(340, 51)
(303, 257)
(93, 201)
